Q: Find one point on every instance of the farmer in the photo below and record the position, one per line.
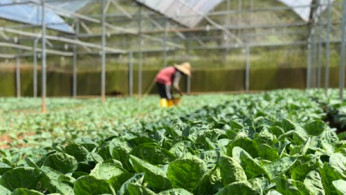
(169, 78)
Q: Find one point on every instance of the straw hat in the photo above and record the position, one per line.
(184, 68)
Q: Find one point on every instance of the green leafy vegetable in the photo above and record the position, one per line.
(61, 162)
(90, 185)
(231, 171)
(186, 173)
(21, 177)
(156, 177)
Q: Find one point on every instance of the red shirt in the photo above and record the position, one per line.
(166, 76)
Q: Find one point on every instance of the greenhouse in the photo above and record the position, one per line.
(180, 97)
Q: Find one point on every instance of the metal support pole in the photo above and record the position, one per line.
(319, 57)
(188, 80)
(43, 58)
(18, 76)
(188, 83)
(342, 55)
(74, 87)
(140, 53)
(239, 10)
(247, 69)
(35, 87)
(103, 54)
(228, 8)
(227, 41)
(313, 58)
(326, 77)
(311, 48)
(165, 45)
(131, 74)
(35, 69)
(35, 82)
(251, 8)
(308, 69)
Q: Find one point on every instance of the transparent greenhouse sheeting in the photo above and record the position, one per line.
(30, 13)
(70, 6)
(301, 7)
(190, 12)
(186, 12)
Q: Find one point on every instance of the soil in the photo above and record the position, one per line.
(6, 139)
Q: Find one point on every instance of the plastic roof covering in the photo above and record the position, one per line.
(304, 11)
(70, 6)
(177, 9)
(31, 13)
(174, 9)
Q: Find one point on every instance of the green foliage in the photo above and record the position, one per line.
(61, 162)
(156, 177)
(24, 191)
(231, 171)
(20, 177)
(90, 185)
(270, 143)
(240, 187)
(77, 151)
(186, 173)
(52, 180)
(251, 167)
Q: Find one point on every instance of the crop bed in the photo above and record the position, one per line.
(278, 142)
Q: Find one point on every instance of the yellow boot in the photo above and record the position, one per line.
(170, 103)
(163, 103)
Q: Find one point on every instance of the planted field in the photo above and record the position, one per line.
(281, 142)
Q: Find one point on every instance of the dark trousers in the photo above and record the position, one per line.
(165, 91)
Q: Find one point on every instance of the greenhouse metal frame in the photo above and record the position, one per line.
(185, 15)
